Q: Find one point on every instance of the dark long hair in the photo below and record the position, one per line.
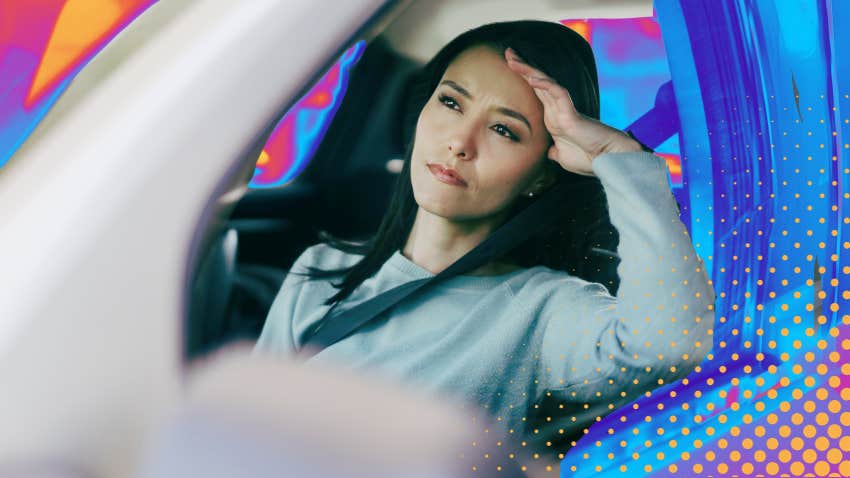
(578, 229)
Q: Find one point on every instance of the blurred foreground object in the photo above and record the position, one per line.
(106, 208)
(253, 416)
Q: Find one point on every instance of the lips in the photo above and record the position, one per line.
(447, 175)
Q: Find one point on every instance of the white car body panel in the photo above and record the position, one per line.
(99, 207)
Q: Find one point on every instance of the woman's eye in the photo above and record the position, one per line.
(506, 132)
(448, 101)
(501, 129)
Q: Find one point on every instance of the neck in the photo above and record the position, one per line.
(435, 243)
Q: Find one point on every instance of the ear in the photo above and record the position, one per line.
(545, 179)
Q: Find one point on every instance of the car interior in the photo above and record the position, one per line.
(344, 191)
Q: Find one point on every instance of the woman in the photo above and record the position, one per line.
(506, 111)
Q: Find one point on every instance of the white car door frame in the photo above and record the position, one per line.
(100, 209)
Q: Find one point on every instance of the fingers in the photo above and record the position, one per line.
(524, 69)
(511, 54)
(552, 153)
(519, 65)
(556, 92)
(549, 102)
(539, 80)
(554, 106)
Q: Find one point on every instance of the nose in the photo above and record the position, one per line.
(461, 144)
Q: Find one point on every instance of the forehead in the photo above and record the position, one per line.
(476, 54)
(483, 71)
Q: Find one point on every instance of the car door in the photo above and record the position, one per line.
(106, 207)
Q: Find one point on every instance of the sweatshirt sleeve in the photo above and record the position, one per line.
(277, 337)
(599, 349)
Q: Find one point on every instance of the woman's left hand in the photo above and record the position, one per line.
(578, 139)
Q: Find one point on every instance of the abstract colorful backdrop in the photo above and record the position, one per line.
(747, 100)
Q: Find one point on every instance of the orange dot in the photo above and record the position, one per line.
(822, 468)
(809, 455)
(797, 468)
(797, 443)
(747, 468)
(772, 468)
(809, 431)
(834, 456)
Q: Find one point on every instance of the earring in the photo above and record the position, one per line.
(531, 194)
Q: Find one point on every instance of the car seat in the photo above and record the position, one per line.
(344, 191)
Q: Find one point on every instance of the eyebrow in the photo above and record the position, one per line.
(505, 111)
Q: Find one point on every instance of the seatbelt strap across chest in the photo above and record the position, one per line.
(526, 223)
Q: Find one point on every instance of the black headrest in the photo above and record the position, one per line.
(350, 164)
(367, 129)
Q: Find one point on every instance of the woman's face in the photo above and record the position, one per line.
(484, 122)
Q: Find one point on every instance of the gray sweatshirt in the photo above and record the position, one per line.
(543, 352)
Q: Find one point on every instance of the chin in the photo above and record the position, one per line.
(437, 203)
(434, 195)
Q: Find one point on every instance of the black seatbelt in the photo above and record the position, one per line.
(531, 220)
(528, 222)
